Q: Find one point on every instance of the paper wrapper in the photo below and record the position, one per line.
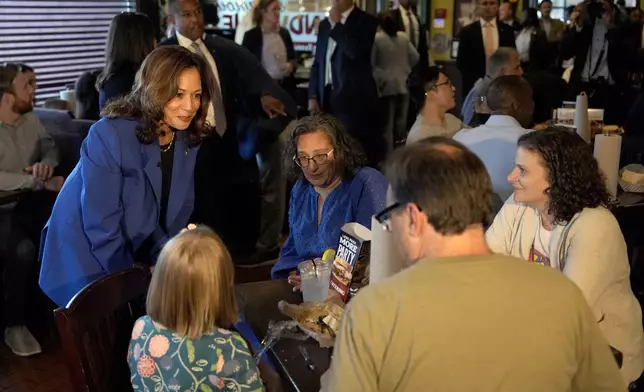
(385, 260)
(308, 313)
(581, 117)
(351, 260)
(607, 152)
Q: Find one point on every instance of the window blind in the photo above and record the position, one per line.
(59, 39)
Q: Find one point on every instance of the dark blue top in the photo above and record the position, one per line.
(354, 200)
(118, 85)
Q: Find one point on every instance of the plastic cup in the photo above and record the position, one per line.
(315, 275)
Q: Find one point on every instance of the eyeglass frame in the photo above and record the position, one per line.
(296, 159)
(437, 85)
(384, 216)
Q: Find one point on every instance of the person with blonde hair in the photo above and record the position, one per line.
(187, 341)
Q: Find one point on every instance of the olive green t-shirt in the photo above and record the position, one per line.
(477, 323)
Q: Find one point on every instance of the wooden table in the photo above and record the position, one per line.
(258, 302)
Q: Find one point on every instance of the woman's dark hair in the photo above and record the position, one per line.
(388, 23)
(156, 84)
(530, 19)
(129, 40)
(574, 177)
(87, 95)
(259, 10)
(454, 194)
(346, 150)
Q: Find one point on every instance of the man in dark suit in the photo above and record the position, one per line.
(248, 110)
(342, 82)
(604, 51)
(407, 19)
(479, 40)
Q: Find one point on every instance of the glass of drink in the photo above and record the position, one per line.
(315, 275)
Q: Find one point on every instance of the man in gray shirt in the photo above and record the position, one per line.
(28, 157)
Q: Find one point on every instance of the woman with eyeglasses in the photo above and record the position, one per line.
(333, 188)
(434, 119)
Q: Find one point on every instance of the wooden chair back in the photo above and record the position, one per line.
(95, 330)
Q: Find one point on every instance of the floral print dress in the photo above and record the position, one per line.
(161, 360)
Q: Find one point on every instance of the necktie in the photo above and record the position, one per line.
(216, 114)
(412, 31)
(488, 40)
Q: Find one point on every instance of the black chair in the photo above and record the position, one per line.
(95, 330)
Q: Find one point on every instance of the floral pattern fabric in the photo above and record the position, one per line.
(161, 360)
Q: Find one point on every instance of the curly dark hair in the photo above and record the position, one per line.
(347, 151)
(155, 85)
(573, 174)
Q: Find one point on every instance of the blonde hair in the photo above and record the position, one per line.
(193, 285)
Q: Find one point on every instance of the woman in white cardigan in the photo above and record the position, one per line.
(557, 217)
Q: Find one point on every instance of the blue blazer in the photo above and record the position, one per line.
(110, 205)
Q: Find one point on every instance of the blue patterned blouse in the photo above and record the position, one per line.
(354, 200)
(161, 360)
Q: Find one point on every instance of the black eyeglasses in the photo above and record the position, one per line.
(437, 85)
(384, 216)
(303, 161)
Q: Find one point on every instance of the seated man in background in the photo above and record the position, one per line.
(434, 119)
(28, 157)
(460, 318)
(505, 61)
(495, 143)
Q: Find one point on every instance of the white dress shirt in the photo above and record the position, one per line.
(414, 23)
(523, 44)
(331, 47)
(598, 44)
(187, 43)
(493, 30)
(495, 143)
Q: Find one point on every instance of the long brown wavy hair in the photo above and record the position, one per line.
(156, 84)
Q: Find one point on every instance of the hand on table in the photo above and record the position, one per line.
(40, 171)
(296, 281)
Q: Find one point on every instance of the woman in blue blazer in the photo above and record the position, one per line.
(133, 187)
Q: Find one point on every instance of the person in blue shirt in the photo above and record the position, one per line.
(333, 188)
(133, 187)
(187, 341)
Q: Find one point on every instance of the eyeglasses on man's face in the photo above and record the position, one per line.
(320, 159)
(437, 85)
(384, 216)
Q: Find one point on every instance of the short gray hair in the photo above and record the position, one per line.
(500, 59)
(505, 90)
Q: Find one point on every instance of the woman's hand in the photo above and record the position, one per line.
(296, 281)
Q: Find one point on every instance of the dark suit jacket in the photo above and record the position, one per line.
(471, 51)
(621, 53)
(254, 42)
(226, 170)
(354, 88)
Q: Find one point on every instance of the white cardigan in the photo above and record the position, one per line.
(591, 251)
